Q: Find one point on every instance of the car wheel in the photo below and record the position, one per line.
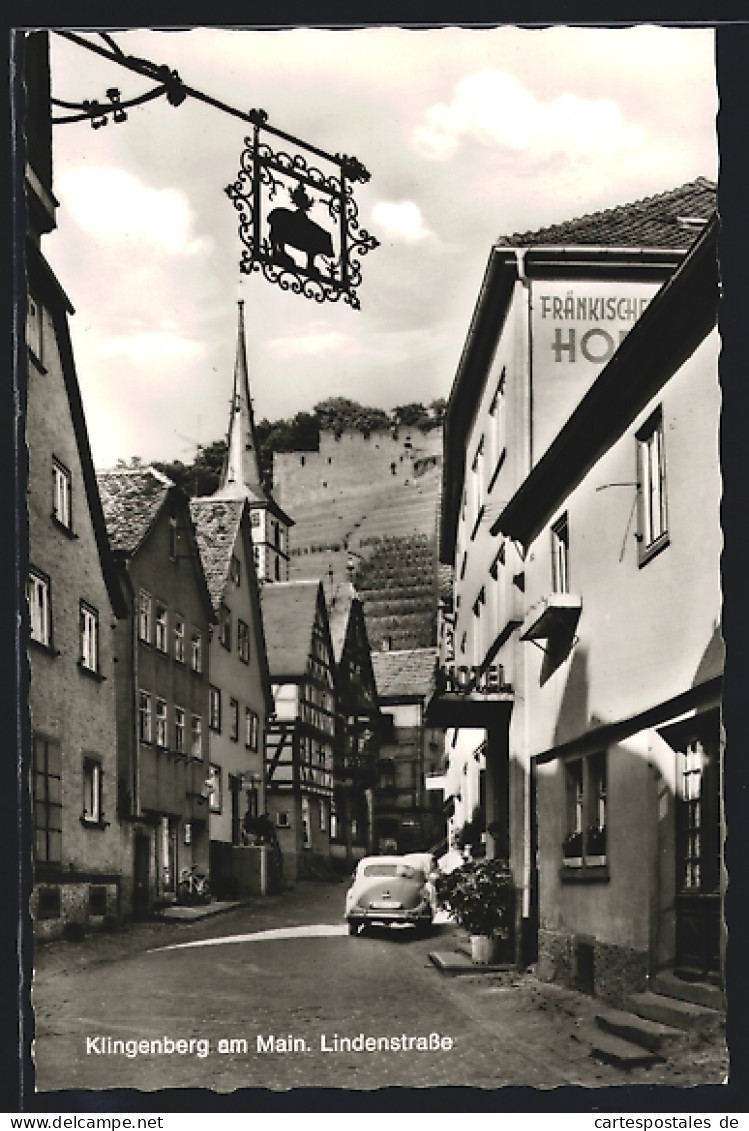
(353, 927)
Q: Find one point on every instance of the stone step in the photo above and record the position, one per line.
(615, 1050)
(671, 1011)
(700, 993)
(652, 1035)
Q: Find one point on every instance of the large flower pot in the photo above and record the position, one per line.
(483, 949)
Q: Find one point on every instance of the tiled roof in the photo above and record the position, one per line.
(131, 498)
(660, 221)
(288, 616)
(216, 523)
(407, 672)
(339, 611)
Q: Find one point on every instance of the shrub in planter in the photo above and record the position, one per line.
(479, 896)
(572, 845)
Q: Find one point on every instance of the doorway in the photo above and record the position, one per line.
(142, 855)
(698, 844)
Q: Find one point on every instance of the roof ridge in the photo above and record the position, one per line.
(601, 213)
(146, 469)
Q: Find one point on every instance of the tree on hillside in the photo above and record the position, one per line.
(202, 476)
(412, 415)
(437, 410)
(339, 414)
(416, 415)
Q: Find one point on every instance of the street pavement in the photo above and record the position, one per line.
(275, 995)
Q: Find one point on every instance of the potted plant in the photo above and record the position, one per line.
(595, 843)
(479, 896)
(572, 850)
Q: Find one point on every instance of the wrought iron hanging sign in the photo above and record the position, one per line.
(308, 242)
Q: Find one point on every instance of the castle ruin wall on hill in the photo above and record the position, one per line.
(354, 459)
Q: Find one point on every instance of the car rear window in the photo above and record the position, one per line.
(405, 871)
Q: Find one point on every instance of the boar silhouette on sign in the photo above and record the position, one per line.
(294, 227)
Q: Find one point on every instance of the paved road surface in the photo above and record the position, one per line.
(267, 996)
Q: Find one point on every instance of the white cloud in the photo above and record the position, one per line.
(153, 347)
(318, 341)
(400, 221)
(114, 207)
(493, 109)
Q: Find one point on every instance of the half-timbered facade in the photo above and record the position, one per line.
(352, 827)
(301, 736)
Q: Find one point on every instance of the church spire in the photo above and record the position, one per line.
(240, 477)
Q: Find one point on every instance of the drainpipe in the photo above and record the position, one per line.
(135, 715)
(527, 430)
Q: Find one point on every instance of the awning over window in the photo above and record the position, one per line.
(555, 615)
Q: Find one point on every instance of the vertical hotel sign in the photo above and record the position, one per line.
(577, 326)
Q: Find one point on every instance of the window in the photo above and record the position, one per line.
(197, 737)
(323, 815)
(47, 800)
(306, 831)
(499, 392)
(224, 627)
(144, 716)
(179, 638)
(235, 795)
(254, 518)
(560, 549)
(92, 791)
(499, 559)
(161, 637)
(252, 728)
(34, 327)
(144, 616)
(477, 486)
(179, 730)
(693, 827)
(214, 708)
(196, 652)
(235, 570)
(161, 724)
(387, 773)
(652, 534)
(213, 782)
(89, 627)
(234, 720)
(243, 641)
(40, 613)
(62, 493)
(585, 785)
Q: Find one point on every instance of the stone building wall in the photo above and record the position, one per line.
(353, 459)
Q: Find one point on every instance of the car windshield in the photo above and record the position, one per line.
(405, 871)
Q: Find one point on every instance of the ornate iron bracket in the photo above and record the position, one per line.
(99, 113)
(285, 243)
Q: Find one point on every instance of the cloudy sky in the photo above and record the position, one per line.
(467, 134)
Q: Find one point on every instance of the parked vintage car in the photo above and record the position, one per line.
(389, 890)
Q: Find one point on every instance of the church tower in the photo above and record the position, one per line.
(241, 479)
